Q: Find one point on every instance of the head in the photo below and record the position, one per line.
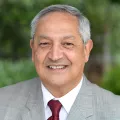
(61, 46)
(83, 22)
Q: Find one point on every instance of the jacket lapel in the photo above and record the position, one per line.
(34, 106)
(82, 107)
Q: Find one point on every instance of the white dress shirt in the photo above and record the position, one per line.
(66, 101)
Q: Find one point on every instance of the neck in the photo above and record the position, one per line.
(59, 91)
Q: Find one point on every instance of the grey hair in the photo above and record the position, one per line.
(84, 25)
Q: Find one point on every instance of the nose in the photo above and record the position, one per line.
(55, 52)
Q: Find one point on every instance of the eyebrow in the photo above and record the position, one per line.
(63, 38)
(69, 37)
(44, 37)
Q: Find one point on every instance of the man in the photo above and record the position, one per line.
(60, 46)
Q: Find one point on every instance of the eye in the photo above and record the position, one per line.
(68, 45)
(44, 44)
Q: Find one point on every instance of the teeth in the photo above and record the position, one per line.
(56, 67)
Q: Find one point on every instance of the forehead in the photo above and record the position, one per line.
(58, 16)
(57, 22)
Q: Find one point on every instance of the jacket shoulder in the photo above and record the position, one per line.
(17, 91)
(104, 94)
(106, 103)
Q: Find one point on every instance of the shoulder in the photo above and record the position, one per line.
(19, 86)
(21, 90)
(105, 102)
(104, 94)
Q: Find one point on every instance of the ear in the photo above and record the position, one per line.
(32, 47)
(88, 48)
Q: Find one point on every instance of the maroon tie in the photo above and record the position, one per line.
(55, 107)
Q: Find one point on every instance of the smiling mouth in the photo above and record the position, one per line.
(57, 67)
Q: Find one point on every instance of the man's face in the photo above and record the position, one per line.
(58, 51)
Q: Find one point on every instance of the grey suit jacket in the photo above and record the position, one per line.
(24, 101)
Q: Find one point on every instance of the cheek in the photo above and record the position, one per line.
(38, 62)
(76, 57)
(40, 56)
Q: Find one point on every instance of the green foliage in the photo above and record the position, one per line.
(111, 80)
(14, 36)
(13, 72)
(115, 1)
(105, 23)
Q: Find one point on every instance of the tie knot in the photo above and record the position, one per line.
(55, 107)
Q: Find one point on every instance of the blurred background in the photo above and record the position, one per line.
(103, 67)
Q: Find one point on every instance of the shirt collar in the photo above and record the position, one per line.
(47, 96)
